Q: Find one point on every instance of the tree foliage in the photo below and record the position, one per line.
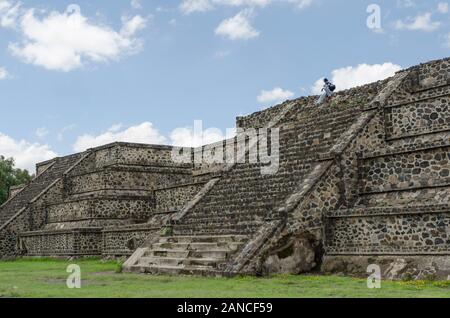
(10, 176)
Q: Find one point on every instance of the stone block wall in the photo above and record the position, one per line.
(29, 218)
(41, 167)
(401, 233)
(74, 242)
(421, 117)
(175, 198)
(123, 241)
(402, 171)
(103, 208)
(125, 179)
(14, 190)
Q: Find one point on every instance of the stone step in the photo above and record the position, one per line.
(196, 246)
(203, 239)
(174, 270)
(216, 230)
(172, 261)
(390, 210)
(213, 253)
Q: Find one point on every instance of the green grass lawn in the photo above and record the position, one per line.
(47, 278)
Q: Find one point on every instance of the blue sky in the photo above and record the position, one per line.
(72, 77)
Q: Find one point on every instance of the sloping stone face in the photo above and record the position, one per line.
(363, 179)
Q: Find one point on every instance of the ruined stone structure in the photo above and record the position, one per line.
(363, 179)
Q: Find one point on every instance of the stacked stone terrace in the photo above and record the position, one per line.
(362, 179)
(84, 204)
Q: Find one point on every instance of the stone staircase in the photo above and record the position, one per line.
(193, 255)
(246, 197)
(36, 186)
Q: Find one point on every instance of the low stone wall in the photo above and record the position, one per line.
(9, 235)
(431, 74)
(431, 115)
(129, 154)
(123, 241)
(392, 266)
(415, 169)
(125, 179)
(396, 234)
(75, 242)
(137, 208)
(406, 197)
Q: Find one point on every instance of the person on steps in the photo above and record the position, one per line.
(328, 89)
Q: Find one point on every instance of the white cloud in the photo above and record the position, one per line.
(3, 73)
(60, 136)
(443, 7)
(348, 77)
(66, 41)
(132, 25)
(238, 27)
(421, 22)
(187, 137)
(191, 6)
(142, 133)
(275, 95)
(25, 154)
(247, 3)
(301, 4)
(148, 134)
(41, 132)
(136, 4)
(8, 14)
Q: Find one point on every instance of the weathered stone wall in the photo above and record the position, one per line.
(431, 115)
(259, 119)
(403, 192)
(123, 241)
(127, 154)
(401, 233)
(14, 190)
(431, 74)
(426, 168)
(174, 198)
(75, 242)
(124, 179)
(29, 218)
(41, 167)
(136, 208)
(403, 267)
